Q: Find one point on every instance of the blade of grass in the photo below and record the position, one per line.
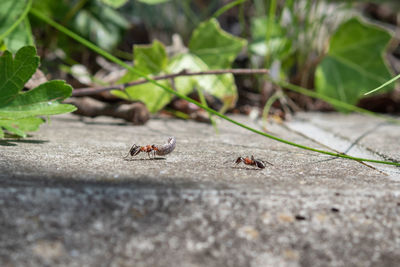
(226, 7)
(383, 85)
(18, 21)
(271, 21)
(28, 30)
(105, 54)
(268, 106)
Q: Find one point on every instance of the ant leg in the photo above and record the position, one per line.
(268, 162)
(238, 160)
(133, 151)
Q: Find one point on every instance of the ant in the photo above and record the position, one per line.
(135, 149)
(253, 162)
(153, 149)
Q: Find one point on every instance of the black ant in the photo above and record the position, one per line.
(253, 162)
(153, 149)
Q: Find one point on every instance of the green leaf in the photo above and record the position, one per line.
(20, 37)
(153, 96)
(18, 110)
(150, 58)
(210, 47)
(10, 12)
(19, 127)
(42, 100)
(278, 45)
(14, 73)
(354, 63)
(220, 86)
(217, 48)
(101, 24)
(115, 3)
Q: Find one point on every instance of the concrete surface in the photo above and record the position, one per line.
(68, 198)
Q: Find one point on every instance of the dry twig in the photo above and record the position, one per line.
(95, 90)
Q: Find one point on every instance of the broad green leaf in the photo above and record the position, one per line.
(278, 45)
(10, 11)
(354, 63)
(115, 3)
(210, 47)
(153, 2)
(220, 86)
(42, 100)
(101, 24)
(153, 96)
(18, 110)
(13, 130)
(19, 127)
(148, 59)
(20, 37)
(15, 72)
(217, 48)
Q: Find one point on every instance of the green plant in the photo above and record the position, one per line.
(171, 91)
(20, 111)
(209, 48)
(317, 36)
(354, 62)
(202, 52)
(97, 20)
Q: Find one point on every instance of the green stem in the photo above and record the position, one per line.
(28, 30)
(18, 21)
(78, 6)
(226, 7)
(187, 10)
(383, 85)
(268, 105)
(271, 22)
(204, 102)
(105, 54)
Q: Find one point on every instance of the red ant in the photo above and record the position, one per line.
(253, 162)
(153, 149)
(135, 149)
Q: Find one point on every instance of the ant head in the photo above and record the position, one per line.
(239, 159)
(135, 149)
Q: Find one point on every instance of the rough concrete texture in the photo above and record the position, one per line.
(68, 198)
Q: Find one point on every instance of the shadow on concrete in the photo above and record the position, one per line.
(142, 159)
(14, 142)
(32, 179)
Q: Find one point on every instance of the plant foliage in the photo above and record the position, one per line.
(209, 48)
(19, 111)
(15, 29)
(354, 63)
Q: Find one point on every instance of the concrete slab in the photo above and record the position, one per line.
(69, 198)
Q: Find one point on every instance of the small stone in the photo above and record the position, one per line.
(248, 232)
(283, 217)
(48, 250)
